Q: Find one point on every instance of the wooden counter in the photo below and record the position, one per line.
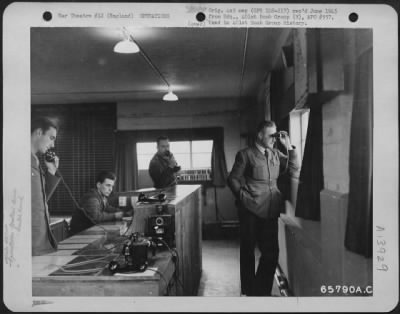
(183, 201)
(49, 280)
(59, 227)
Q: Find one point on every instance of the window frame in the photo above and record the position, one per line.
(141, 167)
(296, 127)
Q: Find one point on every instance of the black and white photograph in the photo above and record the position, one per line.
(201, 161)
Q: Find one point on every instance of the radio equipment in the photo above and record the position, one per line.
(162, 227)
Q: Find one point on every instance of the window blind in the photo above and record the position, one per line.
(85, 146)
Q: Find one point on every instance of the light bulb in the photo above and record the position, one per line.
(126, 46)
(170, 96)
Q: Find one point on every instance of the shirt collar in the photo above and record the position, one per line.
(35, 158)
(260, 148)
(101, 195)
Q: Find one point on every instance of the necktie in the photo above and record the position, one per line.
(46, 211)
(269, 159)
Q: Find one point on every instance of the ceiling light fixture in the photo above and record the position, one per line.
(170, 96)
(127, 45)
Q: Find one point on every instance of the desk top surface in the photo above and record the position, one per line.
(174, 194)
(95, 249)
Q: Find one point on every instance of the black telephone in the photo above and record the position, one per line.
(135, 251)
(152, 199)
(278, 145)
(50, 155)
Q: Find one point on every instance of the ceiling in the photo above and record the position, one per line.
(79, 65)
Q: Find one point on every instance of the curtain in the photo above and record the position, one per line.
(311, 179)
(359, 216)
(219, 172)
(126, 163)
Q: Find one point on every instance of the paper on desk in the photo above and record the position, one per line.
(148, 272)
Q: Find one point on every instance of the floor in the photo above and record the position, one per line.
(220, 276)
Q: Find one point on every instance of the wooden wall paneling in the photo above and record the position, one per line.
(318, 65)
(312, 60)
(179, 238)
(300, 65)
(332, 59)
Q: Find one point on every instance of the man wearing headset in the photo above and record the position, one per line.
(253, 181)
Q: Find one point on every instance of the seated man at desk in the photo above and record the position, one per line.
(94, 205)
(163, 166)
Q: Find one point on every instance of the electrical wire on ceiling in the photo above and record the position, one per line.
(243, 62)
(170, 96)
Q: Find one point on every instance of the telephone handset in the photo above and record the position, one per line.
(278, 145)
(50, 155)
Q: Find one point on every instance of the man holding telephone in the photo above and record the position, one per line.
(163, 166)
(43, 184)
(253, 181)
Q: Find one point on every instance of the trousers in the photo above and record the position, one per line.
(263, 233)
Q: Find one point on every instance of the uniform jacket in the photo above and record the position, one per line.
(160, 172)
(43, 185)
(253, 180)
(96, 207)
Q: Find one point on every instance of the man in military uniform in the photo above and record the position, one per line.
(43, 184)
(253, 181)
(163, 167)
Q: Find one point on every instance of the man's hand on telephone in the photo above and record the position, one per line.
(285, 140)
(52, 166)
(172, 161)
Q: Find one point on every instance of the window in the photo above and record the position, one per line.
(188, 154)
(145, 152)
(298, 128)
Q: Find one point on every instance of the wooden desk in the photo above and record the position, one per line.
(59, 227)
(49, 280)
(184, 202)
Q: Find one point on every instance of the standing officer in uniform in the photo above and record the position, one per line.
(253, 181)
(163, 167)
(43, 184)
